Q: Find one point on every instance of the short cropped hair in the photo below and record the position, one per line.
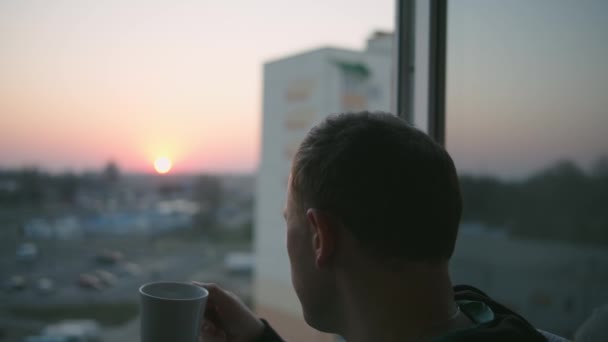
(389, 184)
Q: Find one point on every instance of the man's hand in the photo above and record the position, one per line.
(227, 319)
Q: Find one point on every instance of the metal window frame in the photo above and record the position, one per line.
(403, 59)
(420, 64)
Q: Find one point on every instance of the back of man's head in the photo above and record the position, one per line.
(389, 184)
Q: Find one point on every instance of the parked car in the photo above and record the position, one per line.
(130, 269)
(45, 285)
(107, 278)
(109, 257)
(90, 281)
(27, 252)
(16, 283)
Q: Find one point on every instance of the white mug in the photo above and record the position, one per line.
(171, 311)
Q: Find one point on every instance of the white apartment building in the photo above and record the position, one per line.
(300, 91)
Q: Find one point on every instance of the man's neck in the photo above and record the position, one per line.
(414, 304)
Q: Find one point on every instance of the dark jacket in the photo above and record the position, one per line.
(506, 326)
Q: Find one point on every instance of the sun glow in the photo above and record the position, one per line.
(162, 165)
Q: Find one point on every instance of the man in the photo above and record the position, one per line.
(372, 214)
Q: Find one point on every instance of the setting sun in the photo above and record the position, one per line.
(162, 165)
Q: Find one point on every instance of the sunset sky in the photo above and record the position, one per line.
(83, 82)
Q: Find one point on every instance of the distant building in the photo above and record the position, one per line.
(62, 228)
(300, 91)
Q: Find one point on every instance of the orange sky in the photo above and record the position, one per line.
(83, 82)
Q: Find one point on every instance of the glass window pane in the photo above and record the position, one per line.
(131, 133)
(527, 125)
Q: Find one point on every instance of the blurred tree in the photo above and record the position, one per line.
(485, 199)
(111, 173)
(110, 186)
(560, 202)
(31, 184)
(68, 185)
(600, 167)
(168, 190)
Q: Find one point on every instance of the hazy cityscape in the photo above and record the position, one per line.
(77, 247)
(153, 141)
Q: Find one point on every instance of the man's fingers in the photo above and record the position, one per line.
(210, 333)
(211, 287)
(209, 328)
(211, 315)
(220, 336)
(219, 300)
(217, 295)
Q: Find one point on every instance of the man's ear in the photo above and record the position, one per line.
(324, 236)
